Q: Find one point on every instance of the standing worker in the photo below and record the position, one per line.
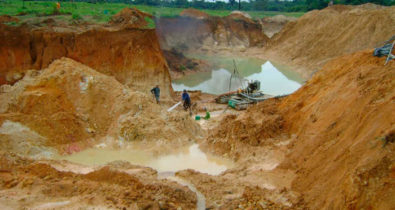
(156, 92)
(186, 99)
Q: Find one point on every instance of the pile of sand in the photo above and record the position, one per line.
(320, 35)
(130, 18)
(70, 106)
(339, 123)
(194, 13)
(342, 119)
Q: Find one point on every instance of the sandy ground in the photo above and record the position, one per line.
(304, 151)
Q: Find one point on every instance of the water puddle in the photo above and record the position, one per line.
(275, 79)
(53, 205)
(187, 158)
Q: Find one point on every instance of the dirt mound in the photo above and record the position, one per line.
(273, 25)
(132, 56)
(130, 18)
(181, 65)
(39, 186)
(354, 144)
(346, 143)
(319, 36)
(7, 18)
(238, 15)
(258, 126)
(193, 34)
(194, 13)
(70, 106)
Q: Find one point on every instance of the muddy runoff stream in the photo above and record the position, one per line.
(275, 79)
(190, 157)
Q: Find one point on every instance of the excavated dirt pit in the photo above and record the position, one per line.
(282, 150)
(190, 157)
(275, 79)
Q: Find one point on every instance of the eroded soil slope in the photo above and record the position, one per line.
(321, 35)
(195, 30)
(69, 106)
(273, 25)
(344, 150)
(132, 56)
(340, 131)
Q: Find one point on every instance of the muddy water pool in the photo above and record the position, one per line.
(275, 79)
(185, 158)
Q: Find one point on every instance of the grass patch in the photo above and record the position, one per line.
(151, 23)
(76, 17)
(101, 12)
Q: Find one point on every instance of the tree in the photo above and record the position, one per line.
(259, 4)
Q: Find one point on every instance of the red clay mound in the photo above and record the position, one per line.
(7, 18)
(194, 13)
(319, 36)
(341, 127)
(130, 18)
(342, 119)
(132, 56)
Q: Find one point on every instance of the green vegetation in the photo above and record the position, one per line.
(182, 68)
(76, 17)
(101, 12)
(151, 23)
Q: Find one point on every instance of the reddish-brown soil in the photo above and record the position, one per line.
(132, 56)
(130, 18)
(194, 13)
(7, 18)
(340, 129)
(273, 25)
(320, 35)
(181, 65)
(69, 105)
(329, 145)
(30, 184)
(342, 118)
(191, 33)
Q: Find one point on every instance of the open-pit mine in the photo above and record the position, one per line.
(286, 113)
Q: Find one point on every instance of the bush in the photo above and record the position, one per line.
(76, 17)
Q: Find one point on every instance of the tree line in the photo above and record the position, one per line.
(251, 5)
